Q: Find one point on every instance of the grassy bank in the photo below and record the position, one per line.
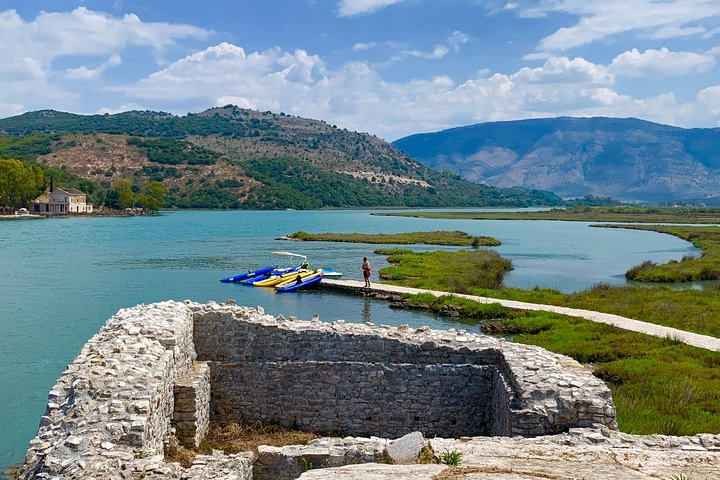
(585, 214)
(690, 269)
(470, 269)
(453, 238)
(658, 385)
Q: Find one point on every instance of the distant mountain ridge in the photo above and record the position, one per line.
(625, 158)
(229, 157)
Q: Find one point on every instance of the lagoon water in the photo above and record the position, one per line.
(61, 279)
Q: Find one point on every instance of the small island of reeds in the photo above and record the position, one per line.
(689, 269)
(439, 237)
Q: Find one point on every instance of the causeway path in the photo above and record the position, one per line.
(689, 338)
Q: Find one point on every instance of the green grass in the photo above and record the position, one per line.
(658, 385)
(586, 214)
(459, 272)
(454, 238)
(695, 311)
(690, 269)
(452, 458)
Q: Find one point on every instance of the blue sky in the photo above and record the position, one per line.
(387, 67)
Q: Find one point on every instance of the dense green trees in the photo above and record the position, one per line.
(18, 183)
(153, 198)
(124, 193)
(171, 151)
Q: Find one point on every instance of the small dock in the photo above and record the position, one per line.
(689, 338)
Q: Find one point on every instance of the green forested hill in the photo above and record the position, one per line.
(236, 158)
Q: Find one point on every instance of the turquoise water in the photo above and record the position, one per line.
(61, 279)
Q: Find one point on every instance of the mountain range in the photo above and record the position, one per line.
(625, 158)
(229, 157)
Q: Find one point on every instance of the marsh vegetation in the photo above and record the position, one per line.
(625, 214)
(438, 237)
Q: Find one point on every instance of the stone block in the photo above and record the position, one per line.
(405, 450)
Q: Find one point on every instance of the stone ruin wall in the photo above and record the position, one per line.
(161, 369)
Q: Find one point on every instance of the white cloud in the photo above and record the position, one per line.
(711, 33)
(439, 51)
(30, 49)
(661, 62)
(564, 70)
(122, 108)
(356, 96)
(600, 20)
(350, 8)
(360, 46)
(10, 109)
(84, 32)
(85, 73)
(673, 31)
(456, 39)
(709, 100)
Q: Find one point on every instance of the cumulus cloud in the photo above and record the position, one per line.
(661, 62)
(708, 99)
(357, 97)
(84, 32)
(601, 20)
(85, 73)
(564, 70)
(30, 48)
(10, 109)
(350, 8)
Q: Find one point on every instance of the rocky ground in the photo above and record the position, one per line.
(581, 454)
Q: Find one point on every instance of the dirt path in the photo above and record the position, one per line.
(694, 339)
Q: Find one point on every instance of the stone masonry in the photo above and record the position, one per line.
(361, 379)
(144, 377)
(191, 417)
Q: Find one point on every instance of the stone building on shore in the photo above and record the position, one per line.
(61, 201)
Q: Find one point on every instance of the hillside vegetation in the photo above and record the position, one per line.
(625, 158)
(236, 158)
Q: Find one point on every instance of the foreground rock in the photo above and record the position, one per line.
(581, 454)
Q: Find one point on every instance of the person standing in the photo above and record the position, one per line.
(366, 271)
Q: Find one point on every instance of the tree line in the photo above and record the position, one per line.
(22, 182)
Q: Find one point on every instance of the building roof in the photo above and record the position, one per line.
(44, 198)
(70, 191)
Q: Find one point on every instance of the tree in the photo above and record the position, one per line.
(153, 199)
(125, 195)
(18, 183)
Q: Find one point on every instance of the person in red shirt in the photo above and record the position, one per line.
(366, 271)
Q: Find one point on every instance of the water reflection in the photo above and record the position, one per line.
(367, 310)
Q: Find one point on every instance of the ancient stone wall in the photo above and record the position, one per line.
(526, 391)
(112, 409)
(386, 400)
(191, 417)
